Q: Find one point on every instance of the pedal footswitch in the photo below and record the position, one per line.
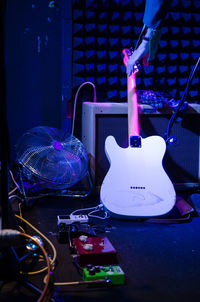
(112, 272)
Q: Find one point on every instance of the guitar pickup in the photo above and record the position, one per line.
(135, 141)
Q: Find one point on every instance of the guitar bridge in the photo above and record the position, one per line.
(135, 141)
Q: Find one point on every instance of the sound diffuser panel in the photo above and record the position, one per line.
(102, 29)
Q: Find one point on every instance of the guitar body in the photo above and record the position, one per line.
(136, 184)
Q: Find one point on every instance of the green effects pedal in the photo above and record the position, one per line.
(114, 273)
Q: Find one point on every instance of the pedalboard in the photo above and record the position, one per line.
(114, 273)
(69, 219)
(94, 250)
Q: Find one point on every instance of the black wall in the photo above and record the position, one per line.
(102, 29)
(54, 46)
(33, 65)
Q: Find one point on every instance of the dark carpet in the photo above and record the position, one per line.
(161, 262)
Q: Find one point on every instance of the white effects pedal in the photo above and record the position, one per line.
(69, 219)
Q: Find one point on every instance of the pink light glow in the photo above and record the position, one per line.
(133, 120)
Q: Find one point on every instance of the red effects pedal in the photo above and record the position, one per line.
(94, 250)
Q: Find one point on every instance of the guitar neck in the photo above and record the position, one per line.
(133, 120)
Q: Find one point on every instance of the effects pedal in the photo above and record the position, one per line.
(94, 250)
(69, 219)
(114, 273)
(79, 218)
(79, 229)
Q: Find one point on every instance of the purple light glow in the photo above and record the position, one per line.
(57, 145)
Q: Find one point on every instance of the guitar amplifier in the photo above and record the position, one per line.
(181, 162)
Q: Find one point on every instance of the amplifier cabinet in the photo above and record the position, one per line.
(181, 162)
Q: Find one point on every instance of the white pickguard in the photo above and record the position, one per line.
(136, 183)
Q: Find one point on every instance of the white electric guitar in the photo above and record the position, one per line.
(136, 184)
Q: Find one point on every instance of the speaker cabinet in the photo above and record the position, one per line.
(181, 162)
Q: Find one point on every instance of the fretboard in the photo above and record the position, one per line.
(133, 120)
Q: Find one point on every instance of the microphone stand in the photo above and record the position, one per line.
(184, 97)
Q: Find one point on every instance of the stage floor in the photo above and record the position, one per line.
(160, 261)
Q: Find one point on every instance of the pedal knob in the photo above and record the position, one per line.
(88, 247)
(92, 271)
(83, 238)
(89, 266)
(97, 269)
